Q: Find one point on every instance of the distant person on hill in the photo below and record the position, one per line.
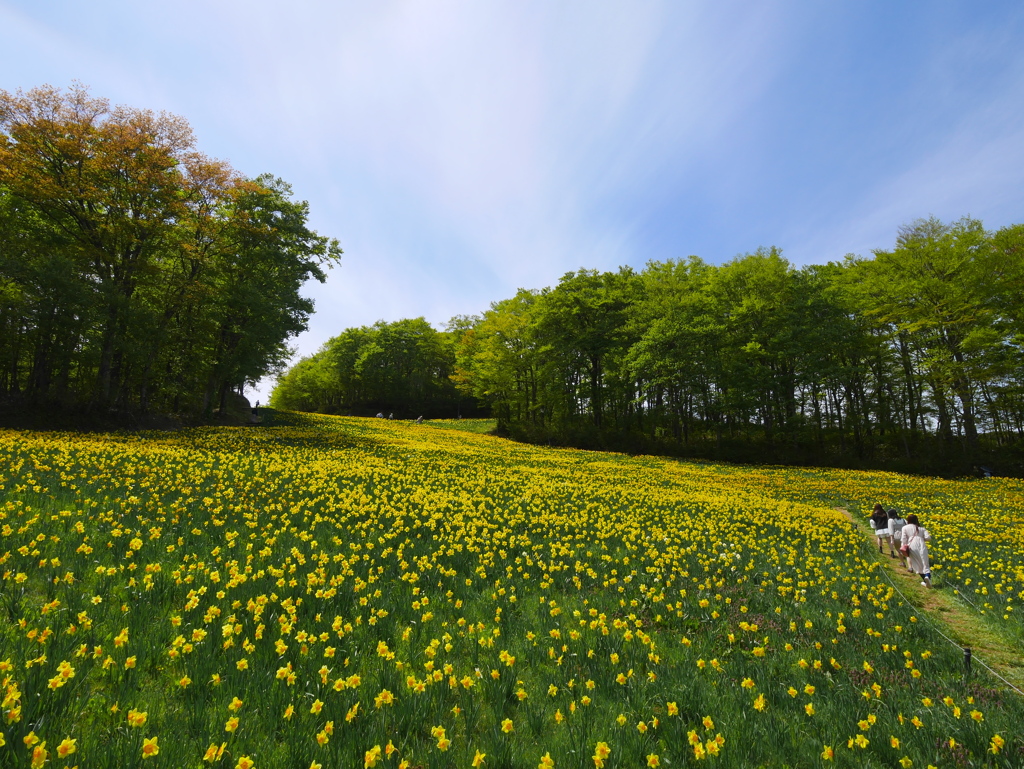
(880, 520)
(896, 524)
(915, 546)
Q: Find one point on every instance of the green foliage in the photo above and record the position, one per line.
(403, 368)
(498, 358)
(913, 357)
(939, 286)
(479, 426)
(135, 273)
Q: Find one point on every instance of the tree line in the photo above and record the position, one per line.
(137, 274)
(912, 358)
(403, 368)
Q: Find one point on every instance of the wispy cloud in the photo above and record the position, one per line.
(968, 159)
(461, 150)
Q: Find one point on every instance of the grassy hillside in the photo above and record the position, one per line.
(325, 591)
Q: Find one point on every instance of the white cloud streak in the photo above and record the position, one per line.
(460, 150)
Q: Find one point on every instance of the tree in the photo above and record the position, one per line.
(677, 356)
(497, 359)
(582, 325)
(111, 180)
(268, 252)
(403, 367)
(936, 287)
(868, 360)
(133, 270)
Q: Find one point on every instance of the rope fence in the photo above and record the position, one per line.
(969, 655)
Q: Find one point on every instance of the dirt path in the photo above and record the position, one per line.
(951, 615)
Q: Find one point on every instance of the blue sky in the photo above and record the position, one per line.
(461, 150)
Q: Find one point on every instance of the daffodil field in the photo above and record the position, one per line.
(366, 593)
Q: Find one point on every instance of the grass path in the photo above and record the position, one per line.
(950, 614)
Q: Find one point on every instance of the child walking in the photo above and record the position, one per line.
(880, 521)
(896, 524)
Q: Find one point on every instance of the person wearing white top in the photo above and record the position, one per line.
(914, 538)
(896, 525)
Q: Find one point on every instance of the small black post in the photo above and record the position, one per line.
(967, 660)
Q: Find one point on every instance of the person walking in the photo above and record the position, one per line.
(896, 524)
(880, 521)
(915, 545)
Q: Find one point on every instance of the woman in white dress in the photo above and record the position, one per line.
(915, 537)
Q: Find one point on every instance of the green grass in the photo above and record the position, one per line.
(479, 426)
(995, 645)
